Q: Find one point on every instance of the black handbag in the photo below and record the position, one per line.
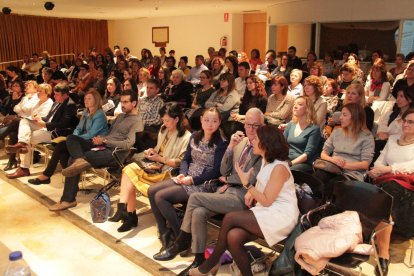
(327, 166)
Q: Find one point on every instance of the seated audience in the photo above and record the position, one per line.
(393, 172)
(218, 69)
(149, 110)
(231, 65)
(347, 77)
(170, 149)
(295, 88)
(170, 63)
(203, 93)
(129, 84)
(303, 135)
(254, 96)
(92, 123)
(313, 90)
(377, 88)
(228, 198)
(399, 65)
(272, 201)
(328, 66)
(406, 81)
(35, 102)
(279, 105)
(121, 135)
(294, 61)
(354, 94)
(163, 78)
(243, 70)
(226, 99)
(255, 59)
(155, 66)
(59, 121)
(310, 62)
(10, 101)
(350, 147)
(194, 76)
(178, 90)
(201, 163)
(329, 94)
(143, 78)
(111, 100)
(316, 70)
(282, 69)
(100, 83)
(268, 67)
(182, 65)
(354, 61)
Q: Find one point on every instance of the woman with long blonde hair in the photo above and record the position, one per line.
(303, 135)
(92, 123)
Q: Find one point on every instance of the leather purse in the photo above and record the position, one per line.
(327, 166)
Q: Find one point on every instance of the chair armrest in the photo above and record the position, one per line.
(116, 155)
(305, 219)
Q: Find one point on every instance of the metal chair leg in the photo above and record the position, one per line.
(410, 262)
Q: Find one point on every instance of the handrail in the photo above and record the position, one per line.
(20, 60)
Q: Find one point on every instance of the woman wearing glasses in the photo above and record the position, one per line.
(394, 172)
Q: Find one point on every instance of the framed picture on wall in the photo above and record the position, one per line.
(160, 36)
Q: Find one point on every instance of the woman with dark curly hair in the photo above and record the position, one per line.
(255, 96)
(272, 217)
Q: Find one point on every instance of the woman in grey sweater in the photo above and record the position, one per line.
(350, 147)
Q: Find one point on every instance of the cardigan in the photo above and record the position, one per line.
(95, 125)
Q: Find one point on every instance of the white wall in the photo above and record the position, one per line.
(339, 10)
(189, 35)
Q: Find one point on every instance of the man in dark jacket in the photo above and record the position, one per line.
(60, 121)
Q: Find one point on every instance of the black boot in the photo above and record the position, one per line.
(130, 222)
(11, 164)
(182, 243)
(167, 239)
(384, 267)
(121, 213)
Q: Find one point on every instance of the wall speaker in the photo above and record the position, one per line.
(49, 6)
(6, 10)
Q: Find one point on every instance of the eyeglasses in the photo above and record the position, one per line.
(409, 122)
(253, 126)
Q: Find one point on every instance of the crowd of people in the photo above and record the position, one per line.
(283, 117)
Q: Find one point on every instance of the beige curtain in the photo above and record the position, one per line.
(20, 35)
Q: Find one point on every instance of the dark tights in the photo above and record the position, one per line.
(162, 197)
(238, 228)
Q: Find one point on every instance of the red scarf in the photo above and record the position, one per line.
(376, 87)
(405, 180)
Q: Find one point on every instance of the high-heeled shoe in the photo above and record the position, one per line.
(10, 165)
(384, 263)
(213, 271)
(130, 222)
(121, 213)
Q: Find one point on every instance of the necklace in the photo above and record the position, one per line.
(403, 141)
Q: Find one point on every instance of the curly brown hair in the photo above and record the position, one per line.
(316, 83)
(273, 143)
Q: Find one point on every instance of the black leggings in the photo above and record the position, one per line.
(237, 229)
(162, 196)
(60, 153)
